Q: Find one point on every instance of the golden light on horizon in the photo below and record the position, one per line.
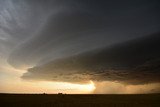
(40, 86)
(87, 87)
(49, 87)
(70, 87)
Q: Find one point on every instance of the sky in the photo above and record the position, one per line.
(80, 46)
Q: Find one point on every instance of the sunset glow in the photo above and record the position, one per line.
(79, 46)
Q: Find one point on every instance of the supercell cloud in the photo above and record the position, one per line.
(132, 62)
(81, 40)
(59, 29)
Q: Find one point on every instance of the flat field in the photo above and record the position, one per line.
(79, 100)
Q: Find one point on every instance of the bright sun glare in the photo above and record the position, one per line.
(87, 87)
(56, 87)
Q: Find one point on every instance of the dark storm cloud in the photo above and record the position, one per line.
(132, 62)
(56, 32)
(71, 27)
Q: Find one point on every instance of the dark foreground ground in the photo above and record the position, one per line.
(55, 100)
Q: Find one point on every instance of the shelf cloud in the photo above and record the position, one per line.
(132, 62)
(80, 40)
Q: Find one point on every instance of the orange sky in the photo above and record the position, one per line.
(10, 82)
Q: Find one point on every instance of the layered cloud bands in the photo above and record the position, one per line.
(81, 40)
(132, 62)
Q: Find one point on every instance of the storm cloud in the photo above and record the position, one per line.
(81, 40)
(60, 29)
(132, 62)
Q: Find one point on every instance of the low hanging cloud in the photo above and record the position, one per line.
(76, 40)
(118, 88)
(132, 62)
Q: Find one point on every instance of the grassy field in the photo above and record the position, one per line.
(93, 100)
